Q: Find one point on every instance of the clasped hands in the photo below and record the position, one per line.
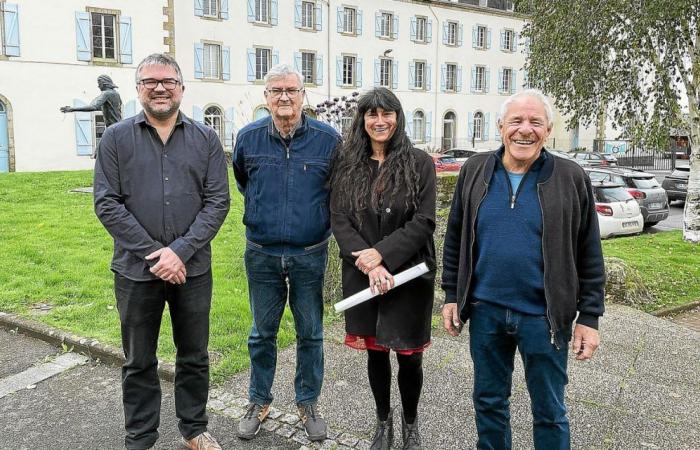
(369, 262)
(169, 267)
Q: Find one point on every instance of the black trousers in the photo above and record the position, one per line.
(140, 305)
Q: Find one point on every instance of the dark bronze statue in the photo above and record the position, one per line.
(109, 102)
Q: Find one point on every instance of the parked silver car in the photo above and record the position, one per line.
(676, 184)
(642, 186)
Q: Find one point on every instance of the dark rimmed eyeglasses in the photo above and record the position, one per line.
(277, 93)
(152, 83)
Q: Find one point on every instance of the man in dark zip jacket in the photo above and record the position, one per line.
(282, 164)
(522, 258)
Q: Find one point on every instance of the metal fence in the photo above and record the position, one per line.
(635, 157)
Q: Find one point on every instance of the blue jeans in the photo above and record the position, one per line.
(271, 280)
(495, 333)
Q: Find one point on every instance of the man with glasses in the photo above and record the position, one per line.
(281, 164)
(161, 191)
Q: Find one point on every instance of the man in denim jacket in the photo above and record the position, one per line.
(281, 164)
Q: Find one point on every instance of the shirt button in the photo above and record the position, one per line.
(167, 203)
(167, 179)
(388, 210)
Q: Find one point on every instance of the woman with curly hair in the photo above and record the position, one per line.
(383, 218)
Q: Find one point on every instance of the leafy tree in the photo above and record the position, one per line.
(637, 62)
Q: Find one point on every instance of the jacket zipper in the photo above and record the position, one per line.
(471, 247)
(544, 260)
(286, 194)
(513, 197)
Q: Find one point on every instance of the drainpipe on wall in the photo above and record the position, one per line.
(437, 68)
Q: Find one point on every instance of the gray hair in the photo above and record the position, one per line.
(283, 71)
(159, 59)
(535, 93)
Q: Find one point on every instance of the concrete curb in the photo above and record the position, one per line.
(676, 309)
(90, 347)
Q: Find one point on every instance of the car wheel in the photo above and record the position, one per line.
(650, 224)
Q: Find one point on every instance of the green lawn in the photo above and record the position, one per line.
(669, 266)
(55, 251)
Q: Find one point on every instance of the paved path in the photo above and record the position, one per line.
(689, 319)
(642, 391)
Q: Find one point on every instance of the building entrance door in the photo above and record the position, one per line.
(4, 140)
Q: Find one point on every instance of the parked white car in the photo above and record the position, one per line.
(618, 212)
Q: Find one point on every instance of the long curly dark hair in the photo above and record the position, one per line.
(351, 176)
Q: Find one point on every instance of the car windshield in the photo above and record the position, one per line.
(612, 194)
(645, 183)
(610, 157)
(681, 172)
(448, 160)
(599, 176)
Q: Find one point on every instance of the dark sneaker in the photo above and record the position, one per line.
(411, 436)
(313, 423)
(249, 425)
(203, 441)
(384, 433)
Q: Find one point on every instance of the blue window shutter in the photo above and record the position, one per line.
(338, 71)
(297, 14)
(130, 109)
(297, 61)
(515, 41)
(472, 88)
(429, 127)
(413, 28)
(198, 8)
(395, 27)
(429, 31)
(11, 19)
(226, 63)
(470, 126)
(488, 38)
(359, 22)
(358, 72)
(459, 78)
(377, 23)
(197, 114)
(339, 19)
(443, 69)
(251, 10)
(411, 75)
(319, 16)
(125, 47)
(513, 83)
(487, 120)
(461, 35)
(503, 40)
(319, 70)
(475, 36)
(251, 64)
(83, 35)
(428, 77)
(273, 12)
(497, 134)
(395, 74)
(444, 32)
(198, 60)
(275, 57)
(229, 115)
(83, 130)
(224, 9)
(377, 67)
(409, 125)
(500, 81)
(487, 79)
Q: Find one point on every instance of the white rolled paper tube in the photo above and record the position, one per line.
(364, 295)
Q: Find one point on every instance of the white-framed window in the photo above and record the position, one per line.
(263, 61)
(212, 61)
(385, 72)
(508, 40)
(345, 124)
(480, 79)
(386, 21)
(262, 11)
(506, 83)
(418, 126)
(349, 70)
(419, 75)
(478, 126)
(452, 33)
(104, 36)
(308, 67)
(481, 37)
(210, 8)
(214, 118)
(260, 112)
(451, 77)
(349, 20)
(308, 15)
(99, 127)
(421, 28)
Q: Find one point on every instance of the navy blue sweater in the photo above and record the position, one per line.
(509, 269)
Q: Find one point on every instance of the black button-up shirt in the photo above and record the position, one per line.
(149, 195)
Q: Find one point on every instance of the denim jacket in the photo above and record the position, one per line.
(285, 185)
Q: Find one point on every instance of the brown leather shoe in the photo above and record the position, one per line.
(203, 441)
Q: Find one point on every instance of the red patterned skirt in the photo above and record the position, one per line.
(370, 343)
